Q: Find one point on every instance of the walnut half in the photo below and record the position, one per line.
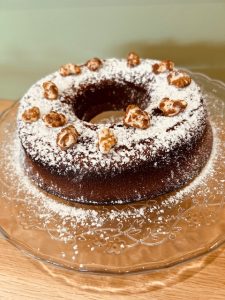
(179, 78)
(50, 90)
(69, 69)
(94, 64)
(171, 107)
(54, 119)
(31, 115)
(67, 137)
(136, 117)
(163, 66)
(133, 59)
(106, 140)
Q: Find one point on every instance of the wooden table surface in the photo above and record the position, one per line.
(22, 277)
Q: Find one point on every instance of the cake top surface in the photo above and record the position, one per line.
(164, 133)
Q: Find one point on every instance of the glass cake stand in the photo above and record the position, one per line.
(133, 238)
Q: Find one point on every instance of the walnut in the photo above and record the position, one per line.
(69, 69)
(136, 117)
(172, 107)
(106, 140)
(163, 66)
(179, 78)
(133, 59)
(94, 64)
(31, 115)
(67, 137)
(50, 90)
(54, 119)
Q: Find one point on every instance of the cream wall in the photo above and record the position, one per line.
(38, 36)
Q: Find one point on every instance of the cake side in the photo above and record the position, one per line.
(140, 183)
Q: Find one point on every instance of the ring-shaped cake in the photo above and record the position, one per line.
(162, 143)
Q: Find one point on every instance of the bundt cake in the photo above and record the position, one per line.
(162, 141)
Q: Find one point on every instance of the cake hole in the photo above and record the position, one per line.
(110, 116)
(106, 97)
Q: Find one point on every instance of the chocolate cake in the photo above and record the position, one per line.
(163, 141)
